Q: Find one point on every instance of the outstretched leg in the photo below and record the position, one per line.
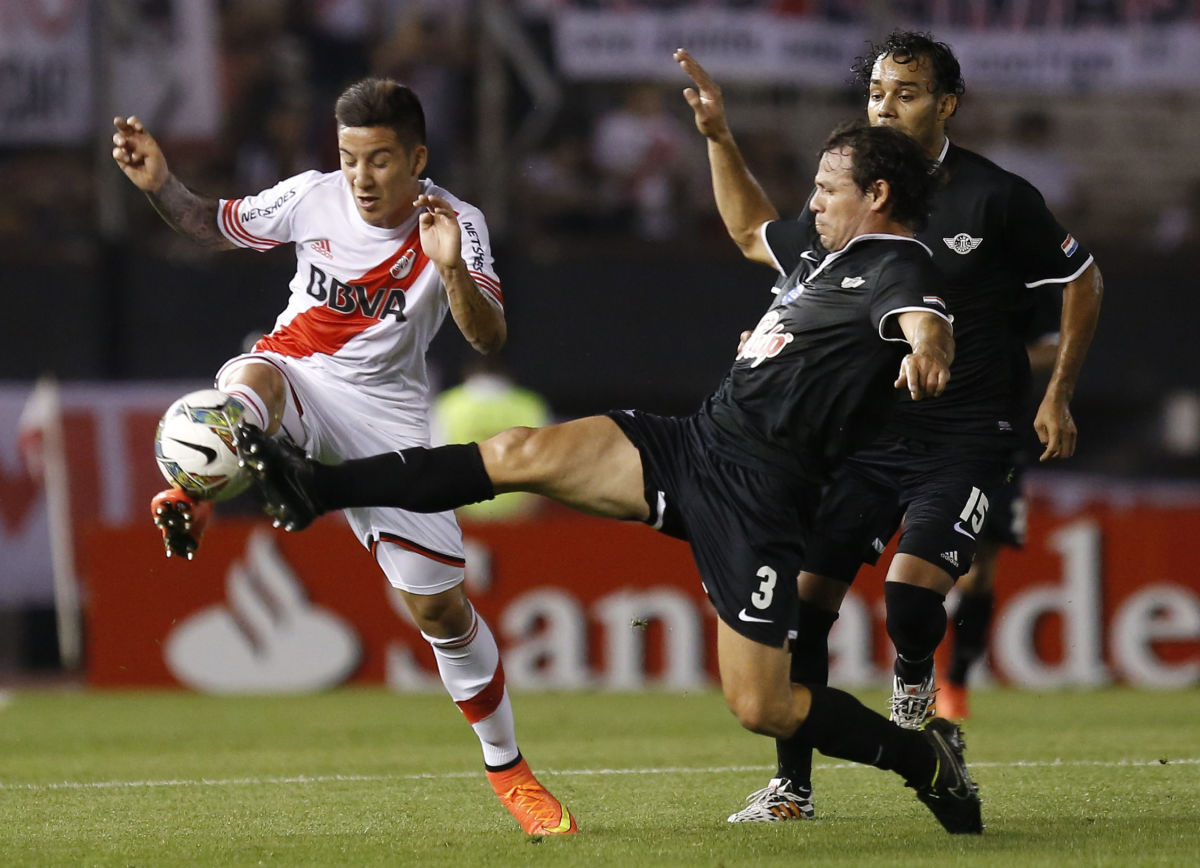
(588, 464)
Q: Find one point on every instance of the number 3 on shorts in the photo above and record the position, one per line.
(766, 589)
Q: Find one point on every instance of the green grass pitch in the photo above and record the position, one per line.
(369, 777)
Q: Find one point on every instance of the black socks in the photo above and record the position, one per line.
(916, 623)
(840, 726)
(972, 619)
(810, 665)
(416, 479)
(810, 649)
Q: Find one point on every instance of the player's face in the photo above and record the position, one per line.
(901, 95)
(384, 176)
(842, 211)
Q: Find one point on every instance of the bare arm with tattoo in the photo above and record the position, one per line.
(141, 159)
(481, 322)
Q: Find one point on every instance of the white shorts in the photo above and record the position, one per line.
(421, 553)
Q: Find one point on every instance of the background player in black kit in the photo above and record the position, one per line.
(739, 479)
(971, 616)
(939, 465)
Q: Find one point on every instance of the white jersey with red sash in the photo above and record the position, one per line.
(365, 301)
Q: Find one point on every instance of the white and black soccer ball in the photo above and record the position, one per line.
(194, 446)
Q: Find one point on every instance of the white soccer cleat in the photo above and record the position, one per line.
(913, 704)
(778, 800)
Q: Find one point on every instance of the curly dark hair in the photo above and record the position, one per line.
(905, 46)
(884, 153)
(382, 102)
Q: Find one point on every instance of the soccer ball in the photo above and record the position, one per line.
(194, 446)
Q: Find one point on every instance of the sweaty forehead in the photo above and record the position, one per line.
(916, 71)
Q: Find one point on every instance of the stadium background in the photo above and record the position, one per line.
(620, 291)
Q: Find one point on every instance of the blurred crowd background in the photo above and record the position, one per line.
(622, 289)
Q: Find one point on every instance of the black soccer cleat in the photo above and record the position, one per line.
(283, 474)
(951, 795)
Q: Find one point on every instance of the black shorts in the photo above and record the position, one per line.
(943, 495)
(1008, 516)
(745, 526)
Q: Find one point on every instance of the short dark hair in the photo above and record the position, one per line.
(884, 153)
(906, 46)
(382, 102)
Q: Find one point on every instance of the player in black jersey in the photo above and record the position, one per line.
(936, 466)
(739, 479)
(971, 615)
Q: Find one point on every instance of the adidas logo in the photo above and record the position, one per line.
(322, 247)
(951, 557)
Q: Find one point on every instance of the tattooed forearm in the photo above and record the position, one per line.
(189, 214)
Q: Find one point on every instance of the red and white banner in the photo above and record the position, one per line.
(108, 441)
(1104, 591)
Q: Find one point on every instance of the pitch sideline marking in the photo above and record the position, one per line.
(331, 779)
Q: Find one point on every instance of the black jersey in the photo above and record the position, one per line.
(1042, 321)
(995, 241)
(814, 381)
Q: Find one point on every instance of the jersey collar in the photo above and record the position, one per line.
(870, 236)
(942, 155)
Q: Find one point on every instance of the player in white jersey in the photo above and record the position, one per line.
(381, 256)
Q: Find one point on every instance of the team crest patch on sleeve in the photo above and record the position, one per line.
(962, 243)
(1069, 245)
(767, 342)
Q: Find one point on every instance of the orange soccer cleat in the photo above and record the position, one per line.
(533, 806)
(181, 519)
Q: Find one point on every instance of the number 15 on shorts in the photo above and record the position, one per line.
(975, 511)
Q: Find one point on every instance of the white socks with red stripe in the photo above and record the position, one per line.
(254, 408)
(470, 669)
